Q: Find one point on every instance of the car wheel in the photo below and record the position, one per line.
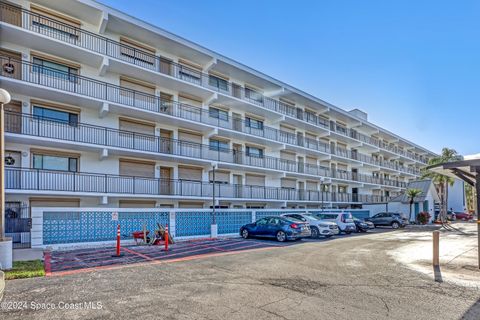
(395, 225)
(315, 232)
(281, 236)
(245, 234)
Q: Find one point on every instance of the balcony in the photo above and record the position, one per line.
(355, 135)
(31, 180)
(86, 134)
(89, 41)
(79, 85)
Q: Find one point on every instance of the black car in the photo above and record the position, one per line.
(363, 226)
(393, 219)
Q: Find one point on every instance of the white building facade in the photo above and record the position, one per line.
(109, 111)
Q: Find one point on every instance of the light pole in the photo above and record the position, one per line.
(213, 197)
(321, 191)
(6, 254)
(4, 99)
(213, 226)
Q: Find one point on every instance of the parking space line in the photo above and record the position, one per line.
(138, 254)
(155, 262)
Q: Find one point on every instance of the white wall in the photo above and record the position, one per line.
(456, 196)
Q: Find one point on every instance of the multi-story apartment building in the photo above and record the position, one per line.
(109, 110)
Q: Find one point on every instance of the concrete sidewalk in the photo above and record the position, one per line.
(27, 254)
(458, 254)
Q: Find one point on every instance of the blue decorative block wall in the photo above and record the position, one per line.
(71, 227)
(194, 223)
(230, 222)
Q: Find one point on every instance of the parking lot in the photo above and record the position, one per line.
(63, 262)
(346, 277)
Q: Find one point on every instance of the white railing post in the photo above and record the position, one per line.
(254, 216)
(171, 224)
(36, 233)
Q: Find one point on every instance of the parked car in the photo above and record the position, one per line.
(465, 216)
(280, 228)
(451, 215)
(393, 219)
(317, 227)
(344, 220)
(362, 225)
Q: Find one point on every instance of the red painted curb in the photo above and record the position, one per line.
(47, 263)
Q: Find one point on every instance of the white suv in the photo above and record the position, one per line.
(317, 226)
(344, 220)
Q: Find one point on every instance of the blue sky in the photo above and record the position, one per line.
(413, 66)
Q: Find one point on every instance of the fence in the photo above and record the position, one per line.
(59, 226)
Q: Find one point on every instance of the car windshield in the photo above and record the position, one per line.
(347, 216)
(311, 216)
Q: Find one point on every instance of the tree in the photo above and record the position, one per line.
(412, 194)
(470, 197)
(442, 182)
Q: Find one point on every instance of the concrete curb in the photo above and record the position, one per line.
(2, 284)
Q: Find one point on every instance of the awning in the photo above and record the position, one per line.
(467, 170)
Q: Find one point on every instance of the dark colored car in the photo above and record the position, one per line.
(280, 228)
(465, 216)
(393, 219)
(362, 225)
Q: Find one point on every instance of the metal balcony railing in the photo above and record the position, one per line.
(372, 141)
(34, 73)
(48, 180)
(31, 125)
(76, 36)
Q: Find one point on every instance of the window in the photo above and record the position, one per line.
(54, 69)
(55, 115)
(310, 116)
(342, 189)
(274, 221)
(218, 114)
(253, 95)
(262, 221)
(217, 82)
(54, 24)
(255, 206)
(51, 162)
(253, 123)
(217, 145)
(189, 74)
(347, 216)
(133, 50)
(254, 152)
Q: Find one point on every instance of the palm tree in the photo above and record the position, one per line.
(412, 194)
(442, 182)
(470, 197)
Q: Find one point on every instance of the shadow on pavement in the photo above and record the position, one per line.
(473, 313)
(437, 273)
